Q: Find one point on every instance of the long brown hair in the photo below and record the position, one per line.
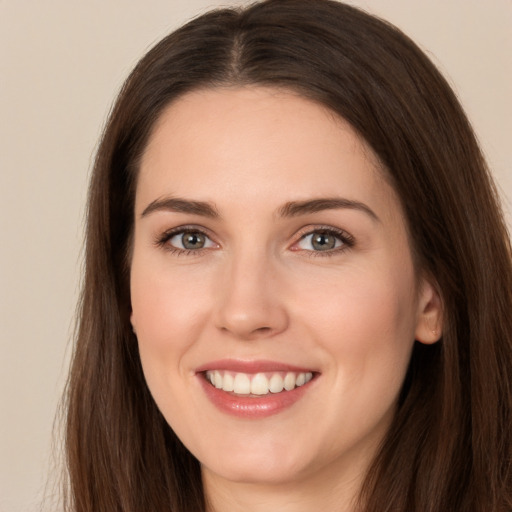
(449, 447)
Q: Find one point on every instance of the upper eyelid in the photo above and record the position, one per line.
(187, 228)
(308, 230)
(163, 237)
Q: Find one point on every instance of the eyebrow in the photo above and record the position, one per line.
(290, 209)
(176, 204)
(296, 208)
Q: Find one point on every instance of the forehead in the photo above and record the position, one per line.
(246, 143)
(250, 110)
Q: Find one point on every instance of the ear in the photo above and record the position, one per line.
(429, 325)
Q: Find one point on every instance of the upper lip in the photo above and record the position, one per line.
(254, 366)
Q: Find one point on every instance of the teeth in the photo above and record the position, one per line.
(289, 381)
(257, 384)
(228, 383)
(276, 384)
(217, 379)
(301, 379)
(242, 384)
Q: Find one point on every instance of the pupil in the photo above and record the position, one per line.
(323, 241)
(193, 241)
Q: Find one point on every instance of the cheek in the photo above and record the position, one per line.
(165, 302)
(168, 314)
(367, 326)
(366, 332)
(363, 315)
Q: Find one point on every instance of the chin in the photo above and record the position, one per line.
(259, 472)
(273, 464)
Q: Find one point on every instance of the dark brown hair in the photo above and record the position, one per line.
(449, 447)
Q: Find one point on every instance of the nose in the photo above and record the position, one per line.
(251, 301)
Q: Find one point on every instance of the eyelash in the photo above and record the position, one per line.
(346, 239)
(163, 239)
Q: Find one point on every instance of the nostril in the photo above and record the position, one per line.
(263, 329)
(250, 334)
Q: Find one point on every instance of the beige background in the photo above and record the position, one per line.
(61, 63)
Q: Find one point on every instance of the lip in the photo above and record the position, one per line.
(259, 366)
(253, 407)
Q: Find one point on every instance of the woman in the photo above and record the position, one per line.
(298, 280)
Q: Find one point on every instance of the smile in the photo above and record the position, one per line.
(259, 384)
(255, 389)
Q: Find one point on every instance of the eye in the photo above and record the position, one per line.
(189, 240)
(185, 240)
(324, 240)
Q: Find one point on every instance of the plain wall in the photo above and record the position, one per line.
(62, 62)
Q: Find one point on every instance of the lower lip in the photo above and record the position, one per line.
(255, 406)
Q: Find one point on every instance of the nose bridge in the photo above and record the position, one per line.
(251, 301)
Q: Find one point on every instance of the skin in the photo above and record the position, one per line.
(259, 289)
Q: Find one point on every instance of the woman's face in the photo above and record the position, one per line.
(270, 252)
